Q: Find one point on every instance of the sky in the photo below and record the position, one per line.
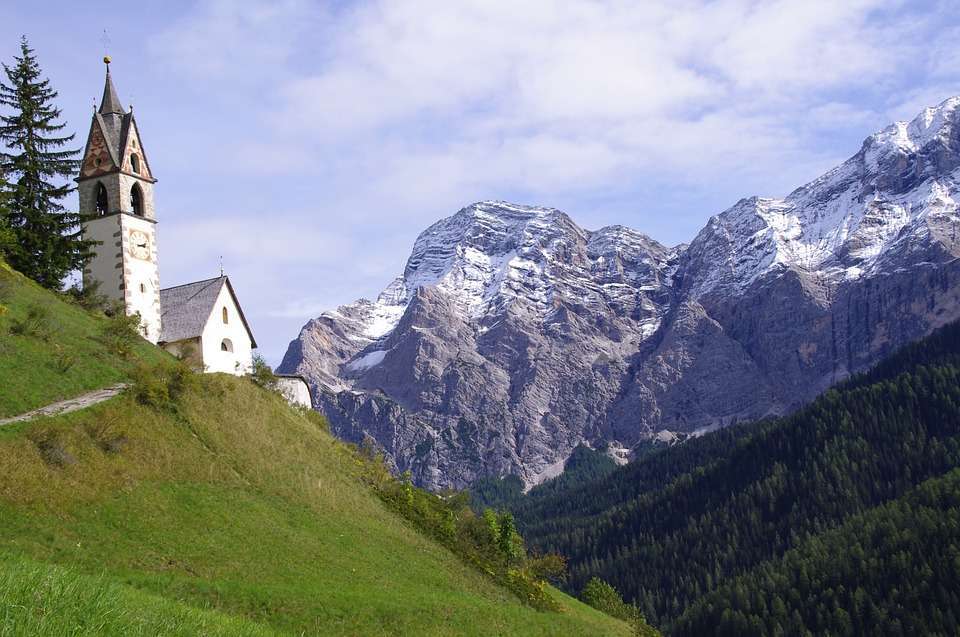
(308, 143)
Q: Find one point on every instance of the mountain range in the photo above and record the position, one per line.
(514, 335)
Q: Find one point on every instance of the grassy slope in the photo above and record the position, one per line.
(234, 512)
(39, 599)
(30, 376)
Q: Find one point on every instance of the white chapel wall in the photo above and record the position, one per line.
(215, 331)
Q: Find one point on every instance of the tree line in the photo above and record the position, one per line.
(708, 537)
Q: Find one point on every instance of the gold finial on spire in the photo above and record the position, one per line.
(106, 59)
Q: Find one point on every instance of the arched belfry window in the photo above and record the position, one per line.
(226, 317)
(135, 163)
(102, 204)
(136, 200)
(226, 345)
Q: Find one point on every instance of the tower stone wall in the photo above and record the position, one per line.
(125, 265)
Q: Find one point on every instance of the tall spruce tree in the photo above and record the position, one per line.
(47, 240)
(7, 238)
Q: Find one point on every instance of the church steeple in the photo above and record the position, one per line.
(115, 185)
(110, 103)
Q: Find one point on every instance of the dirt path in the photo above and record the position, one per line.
(71, 404)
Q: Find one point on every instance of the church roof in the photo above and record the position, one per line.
(115, 123)
(110, 103)
(185, 309)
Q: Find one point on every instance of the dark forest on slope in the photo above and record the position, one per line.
(842, 517)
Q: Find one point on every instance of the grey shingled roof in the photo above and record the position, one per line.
(185, 309)
(116, 124)
(110, 103)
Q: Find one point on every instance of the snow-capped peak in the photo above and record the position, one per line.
(840, 225)
(492, 252)
(932, 123)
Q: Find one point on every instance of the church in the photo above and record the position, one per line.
(202, 321)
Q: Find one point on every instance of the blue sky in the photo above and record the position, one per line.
(310, 142)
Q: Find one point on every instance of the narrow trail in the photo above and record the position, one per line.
(68, 405)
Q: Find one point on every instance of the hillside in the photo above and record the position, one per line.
(849, 504)
(514, 335)
(217, 509)
(51, 349)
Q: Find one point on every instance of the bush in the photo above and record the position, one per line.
(489, 542)
(37, 323)
(89, 298)
(550, 567)
(162, 384)
(605, 598)
(262, 374)
(121, 332)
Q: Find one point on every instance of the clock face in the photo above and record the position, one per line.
(139, 244)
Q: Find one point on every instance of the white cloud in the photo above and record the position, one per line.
(236, 40)
(385, 115)
(413, 97)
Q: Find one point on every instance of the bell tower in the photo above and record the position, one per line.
(116, 200)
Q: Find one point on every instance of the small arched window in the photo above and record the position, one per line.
(226, 317)
(226, 345)
(102, 204)
(136, 200)
(135, 163)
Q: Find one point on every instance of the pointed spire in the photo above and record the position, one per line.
(110, 103)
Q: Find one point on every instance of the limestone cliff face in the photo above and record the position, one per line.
(514, 335)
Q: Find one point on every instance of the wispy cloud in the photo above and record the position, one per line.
(375, 118)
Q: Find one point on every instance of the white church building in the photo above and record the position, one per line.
(202, 320)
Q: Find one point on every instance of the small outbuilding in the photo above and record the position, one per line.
(295, 389)
(203, 322)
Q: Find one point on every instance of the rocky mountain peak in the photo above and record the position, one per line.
(513, 335)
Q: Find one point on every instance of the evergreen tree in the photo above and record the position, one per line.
(47, 243)
(841, 518)
(7, 238)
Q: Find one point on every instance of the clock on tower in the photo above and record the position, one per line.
(116, 199)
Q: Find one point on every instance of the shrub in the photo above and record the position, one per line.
(262, 374)
(186, 353)
(121, 332)
(605, 598)
(551, 567)
(488, 542)
(37, 323)
(160, 385)
(89, 298)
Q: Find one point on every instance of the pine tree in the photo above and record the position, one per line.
(7, 238)
(48, 244)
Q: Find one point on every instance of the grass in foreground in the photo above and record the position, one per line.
(39, 599)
